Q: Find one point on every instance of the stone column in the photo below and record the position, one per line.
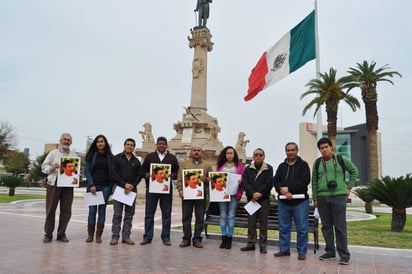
(201, 42)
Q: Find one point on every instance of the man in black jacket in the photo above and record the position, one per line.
(162, 156)
(257, 179)
(126, 172)
(291, 182)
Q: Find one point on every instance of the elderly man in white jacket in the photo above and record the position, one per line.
(55, 194)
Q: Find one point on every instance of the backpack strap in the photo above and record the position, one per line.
(317, 164)
(341, 162)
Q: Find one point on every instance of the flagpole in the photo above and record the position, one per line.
(319, 131)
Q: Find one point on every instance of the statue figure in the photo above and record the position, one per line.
(241, 143)
(147, 134)
(203, 8)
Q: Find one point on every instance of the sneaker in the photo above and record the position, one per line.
(145, 242)
(198, 244)
(248, 248)
(281, 254)
(63, 239)
(326, 257)
(184, 243)
(114, 241)
(128, 241)
(47, 239)
(344, 261)
(302, 257)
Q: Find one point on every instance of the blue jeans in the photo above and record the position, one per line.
(227, 216)
(332, 212)
(102, 208)
(166, 201)
(300, 214)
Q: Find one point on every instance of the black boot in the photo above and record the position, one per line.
(228, 243)
(223, 243)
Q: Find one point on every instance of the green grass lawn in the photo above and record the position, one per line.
(5, 198)
(376, 232)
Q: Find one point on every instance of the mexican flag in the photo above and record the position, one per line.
(295, 49)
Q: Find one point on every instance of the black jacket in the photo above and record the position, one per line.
(258, 180)
(296, 177)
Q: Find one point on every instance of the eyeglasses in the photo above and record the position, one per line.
(258, 154)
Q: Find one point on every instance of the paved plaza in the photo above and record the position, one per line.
(22, 250)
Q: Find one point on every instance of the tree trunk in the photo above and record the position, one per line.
(398, 219)
(368, 207)
(373, 155)
(370, 99)
(12, 190)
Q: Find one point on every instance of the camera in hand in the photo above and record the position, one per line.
(332, 184)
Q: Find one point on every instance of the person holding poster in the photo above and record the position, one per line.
(258, 180)
(98, 174)
(194, 162)
(228, 161)
(126, 173)
(165, 159)
(55, 194)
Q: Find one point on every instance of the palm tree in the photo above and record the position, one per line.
(329, 91)
(395, 193)
(364, 194)
(366, 77)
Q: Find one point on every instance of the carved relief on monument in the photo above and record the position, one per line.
(197, 67)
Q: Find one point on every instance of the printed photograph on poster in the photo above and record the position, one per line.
(160, 178)
(68, 175)
(192, 185)
(218, 187)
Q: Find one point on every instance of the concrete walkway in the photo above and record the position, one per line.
(22, 250)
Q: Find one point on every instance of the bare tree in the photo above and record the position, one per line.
(8, 139)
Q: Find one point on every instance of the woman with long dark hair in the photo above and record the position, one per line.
(228, 161)
(98, 161)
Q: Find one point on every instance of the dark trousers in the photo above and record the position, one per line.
(152, 200)
(332, 212)
(262, 216)
(54, 195)
(187, 211)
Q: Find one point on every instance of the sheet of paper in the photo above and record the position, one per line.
(233, 183)
(120, 196)
(252, 207)
(92, 200)
(294, 196)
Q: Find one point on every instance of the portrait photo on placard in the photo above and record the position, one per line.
(160, 178)
(192, 185)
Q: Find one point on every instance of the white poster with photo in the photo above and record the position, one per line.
(69, 171)
(218, 187)
(159, 181)
(192, 185)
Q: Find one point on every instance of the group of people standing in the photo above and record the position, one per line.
(291, 181)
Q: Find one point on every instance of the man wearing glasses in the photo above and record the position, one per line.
(257, 179)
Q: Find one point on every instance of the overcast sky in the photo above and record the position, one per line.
(89, 67)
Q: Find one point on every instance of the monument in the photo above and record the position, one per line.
(197, 127)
